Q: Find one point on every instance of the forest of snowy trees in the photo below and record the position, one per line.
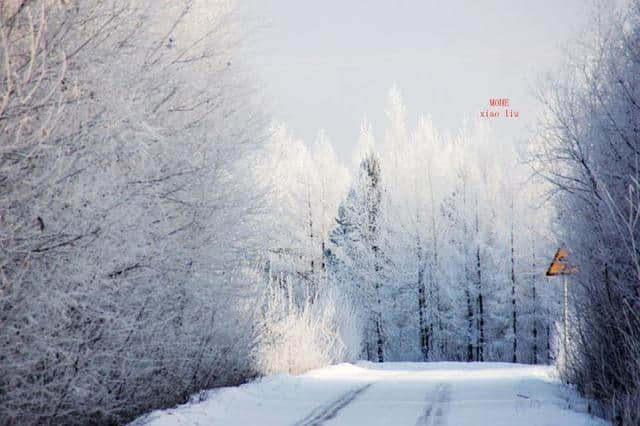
(161, 235)
(435, 242)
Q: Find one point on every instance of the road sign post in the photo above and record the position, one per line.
(566, 313)
(559, 266)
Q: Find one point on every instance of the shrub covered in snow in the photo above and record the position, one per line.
(298, 337)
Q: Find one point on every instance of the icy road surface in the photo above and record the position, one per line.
(429, 394)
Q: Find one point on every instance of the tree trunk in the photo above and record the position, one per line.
(424, 337)
(513, 292)
(466, 274)
(535, 303)
(435, 301)
(313, 290)
(548, 345)
(379, 341)
(480, 344)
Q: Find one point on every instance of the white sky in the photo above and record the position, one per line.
(328, 64)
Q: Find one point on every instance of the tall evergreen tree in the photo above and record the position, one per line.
(360, 258)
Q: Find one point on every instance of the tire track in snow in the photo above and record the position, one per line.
(329, 411)
(434, 413)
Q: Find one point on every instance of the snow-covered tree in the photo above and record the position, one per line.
(128, 206)
(359, 257)
(588, 154)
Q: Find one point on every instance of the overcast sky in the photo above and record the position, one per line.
(329, 64)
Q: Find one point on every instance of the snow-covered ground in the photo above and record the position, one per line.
(445, 393)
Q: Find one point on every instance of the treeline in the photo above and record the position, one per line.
(589, 152)
(437, 241)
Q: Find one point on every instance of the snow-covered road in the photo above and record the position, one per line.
(425, 394)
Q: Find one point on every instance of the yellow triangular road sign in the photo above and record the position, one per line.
(559, 266)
